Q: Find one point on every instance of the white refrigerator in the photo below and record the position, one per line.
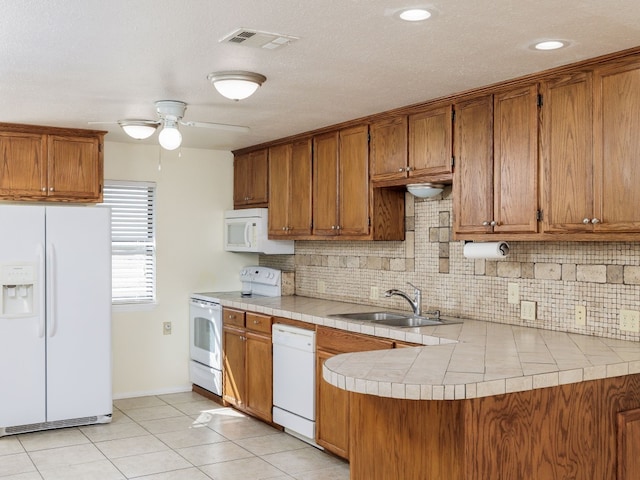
(55, 317)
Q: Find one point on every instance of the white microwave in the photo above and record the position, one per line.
(247, 231)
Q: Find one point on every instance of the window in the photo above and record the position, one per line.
(133, 249)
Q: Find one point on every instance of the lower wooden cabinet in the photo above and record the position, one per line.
(248, 362)
(332, 403)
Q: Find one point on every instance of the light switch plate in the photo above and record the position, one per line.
(513, 293)
(374, 293)
(527, 310)
(630, 321)
(166, 328)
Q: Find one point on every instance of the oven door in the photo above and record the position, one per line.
(205, 332)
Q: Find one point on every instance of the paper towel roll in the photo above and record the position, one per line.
(489, 250)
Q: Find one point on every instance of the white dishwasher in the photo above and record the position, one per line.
(294, 380)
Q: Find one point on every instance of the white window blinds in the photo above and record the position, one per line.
(132, 240)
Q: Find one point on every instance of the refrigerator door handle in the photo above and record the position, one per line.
(42, 291)
(51, 290)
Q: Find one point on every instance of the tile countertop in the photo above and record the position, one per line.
(468, 360)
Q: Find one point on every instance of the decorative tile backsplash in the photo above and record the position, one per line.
(602, 276)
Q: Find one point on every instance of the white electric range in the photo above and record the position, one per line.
(205, 324)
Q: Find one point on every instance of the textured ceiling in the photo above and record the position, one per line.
(69, 62)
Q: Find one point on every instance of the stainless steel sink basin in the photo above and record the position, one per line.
(394, 319)
(373, 316)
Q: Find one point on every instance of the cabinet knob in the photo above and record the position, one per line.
(408, 169)
(333, 227)
(586, 221)
(338, 227)
(493, 223)
(595, 220)
(51, 189)
(401, 169)
(485, 223)
(44, 189)
(256, 322)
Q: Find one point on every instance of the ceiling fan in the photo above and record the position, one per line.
(170, 113)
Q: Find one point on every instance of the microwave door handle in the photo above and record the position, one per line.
(247, 242)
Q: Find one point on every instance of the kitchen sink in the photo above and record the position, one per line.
(394, 319)
(373, 316)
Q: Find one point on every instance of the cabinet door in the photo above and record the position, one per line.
(279, 186)
(617, 147)
(300, 188)
(473, 179)
(389, 149)
(251, 179)
(567, 153)
(74, 167)
(234, 386)
(259, 367)
(515, 161)
(325, 184)
(354, 181)
(22, 165)
(430, 142)
(332, 412)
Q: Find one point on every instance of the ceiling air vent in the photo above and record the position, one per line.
(257, 39)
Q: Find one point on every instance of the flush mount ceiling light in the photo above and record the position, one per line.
(138, 129)
(236, 85)
(550, 45)
(425, 190)
(414, 14)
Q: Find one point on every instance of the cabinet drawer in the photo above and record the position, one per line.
(343, 341)
(258, 322)
(234, 317)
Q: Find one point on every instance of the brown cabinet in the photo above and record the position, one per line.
(250, 179)
(248, 362)
(497, 193)
(430, 142)
(389, 149)
(290, 187)
(50, 164)
(341, 183)
(332, 403)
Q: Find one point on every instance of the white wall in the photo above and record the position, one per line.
(193, 190)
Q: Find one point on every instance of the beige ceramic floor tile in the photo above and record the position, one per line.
(266, 444)
(190, 437)
(197, 407)
(151, 463)
(185, 474)
(10, 445)
(173, 424)
(126, 447)
(333, 473)
(24, 476)
(113, 431)
(213, 453)
(153, 413)
(15, 464)
(56, 457)
(252, 468)
(235, 429)
(181, 397)
(101, 470)
(296, 462)
(137, 402)
(52, 439)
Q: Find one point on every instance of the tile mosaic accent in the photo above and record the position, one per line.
(603, 276)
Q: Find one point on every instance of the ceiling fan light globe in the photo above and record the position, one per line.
(138, 131)
(170, 138)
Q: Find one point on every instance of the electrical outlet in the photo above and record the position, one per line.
(630, 321)
(322, 288)
(166, 328)
(581, 315)
(374, 293)
(513, 293)
(527, 310)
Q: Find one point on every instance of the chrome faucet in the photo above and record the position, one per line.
(416, 303)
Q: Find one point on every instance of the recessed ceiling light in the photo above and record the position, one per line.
(414, 14)
(549, 45)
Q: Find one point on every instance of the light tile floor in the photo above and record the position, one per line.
(181, 436)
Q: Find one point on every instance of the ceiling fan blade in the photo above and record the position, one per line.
(102, 123)
(217, 126)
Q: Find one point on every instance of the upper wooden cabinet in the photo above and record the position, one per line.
(50, 164)
(430, 142)
(389, 149)
(590, 148)
(341, 183)
(290, 187)
(251, 180)
(496, 184)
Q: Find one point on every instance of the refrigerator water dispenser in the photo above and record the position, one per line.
(17, 282)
